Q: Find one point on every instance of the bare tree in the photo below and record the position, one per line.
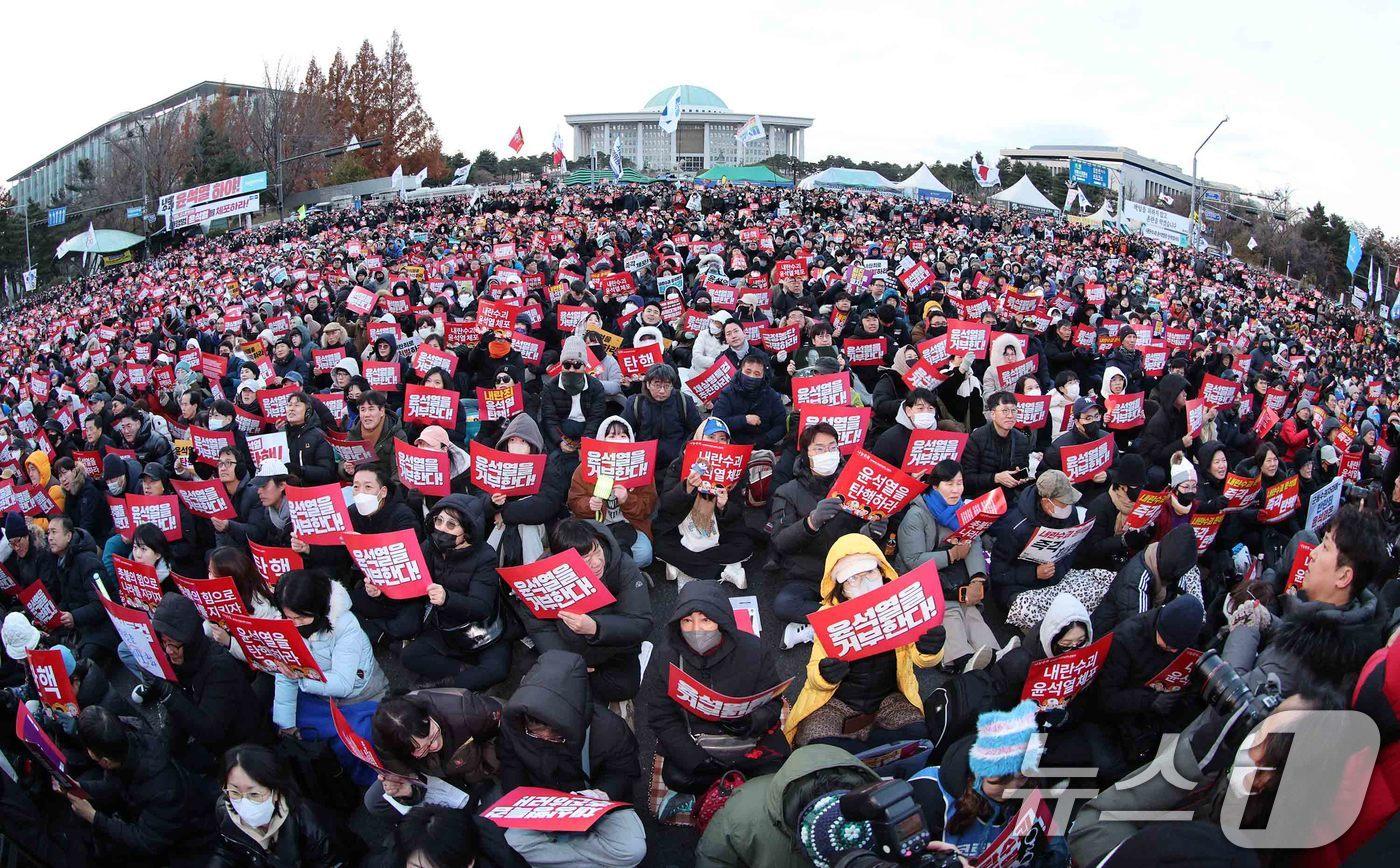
(284, 120)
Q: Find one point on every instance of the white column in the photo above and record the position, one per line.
(638, 158)
(802, 145)
(706, 150)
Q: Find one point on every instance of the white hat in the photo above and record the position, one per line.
(18, 635)
(1182, 473)
(269, 468)
(853, 565)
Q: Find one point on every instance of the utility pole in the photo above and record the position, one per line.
(1195, 183)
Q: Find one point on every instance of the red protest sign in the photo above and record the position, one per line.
(720, 465)
(545, 810)
(704, 702)
(636, 361)
(324, 361)
(137, 584)
(785, 269)
(383, 376)
(851, 423)
(430, 406)
(869, 488)
(135, 629)
(1281, 500)
(896, 614)
(1009, 374)
(1349, 467)
(359, 746)
(1087, 460)
(424, 470)
(1145, 510)
(360, 300)
(1021, 838)
(497, 472)
(922, 375)
(207, 444)
(1195, 416)
(162, 510)
(206, 498)
(1054, 681)
(829, 390)
(618, 286)
(1205, 527)
(568, 317)
(1049, 545)
(1217, 392)
(558, 583)
(273, 645)
(917, 276)
(121, 518)
(273, 562)
(51, 682)
(427, 358)
(48, 754)
(1176, 673)
(499, 402)
(927, 447)
(318, 513)
(628, 464)
(1298, 570)
(1032, 411)
(968, 337)
(273, 402)
(392, 562)
(214, 597)
(1265, 423)
(1240, 490)
(865, 352)
(781, 339)
(707, 386)
(975, 516)
(90, 462)
(1122, 412)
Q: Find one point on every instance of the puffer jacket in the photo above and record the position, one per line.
(76, 573)
(667, 422)
(305, 838)
(468, 575)
(737, 402)
(346, 658)
(1162, 435)
(798, 552)
(988, 453)
(150, 445)
(1010, 574)
(556, 405)
(470, 723)
(922, 539)
(309, 452)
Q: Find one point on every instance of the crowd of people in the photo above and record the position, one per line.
(1210, 449)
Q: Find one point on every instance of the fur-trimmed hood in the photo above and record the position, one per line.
(1332, 642)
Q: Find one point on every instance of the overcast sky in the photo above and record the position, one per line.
(1308, 87)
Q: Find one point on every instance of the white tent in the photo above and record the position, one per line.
(923, 185)
(1024, 194)
(838, 178)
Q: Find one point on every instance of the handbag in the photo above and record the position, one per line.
(723, 747)
(715, 797)
(475, 635)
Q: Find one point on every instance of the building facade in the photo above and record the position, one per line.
(1144, 178)
(705, 136)
(45, 181)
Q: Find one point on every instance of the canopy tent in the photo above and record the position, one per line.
(1098, 218)
(838, 178)
(103, 241)
(758, 174)
(923, 185)
(604, 176)
(1024, 194)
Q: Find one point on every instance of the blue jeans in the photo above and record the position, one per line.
(641, 551)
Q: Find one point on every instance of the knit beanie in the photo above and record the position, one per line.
(574, 350)
(827, 835)
(1004, 743)
(1182, 473)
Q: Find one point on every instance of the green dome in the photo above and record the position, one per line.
(693, 99)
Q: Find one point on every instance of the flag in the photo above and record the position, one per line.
(31, 279)
(751, 131)
(301, 213)
(1252, 245)
(1164, 199)
(517, 141)
(558, 149)
(1229, 251)
(90, 239)
(1353, 253)
(353, 144)
(1083, 202)
(421, 176)
(396, 179)
(987, 176)
(615, 161)
(670, 113)
(1397, 275)
(460, 176)
(1071, 196)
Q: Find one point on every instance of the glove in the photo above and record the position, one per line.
(1165, 702)
(147, 691)
(1135, 540)
(762, 719)
(878, 528)
(833, 670)
(932, 641)
(823, 512)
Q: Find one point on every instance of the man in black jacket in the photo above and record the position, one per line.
(1049, 503)
(996, 453)
(139, 434)
(1086, 428)
(27, 558)
(309, 453)
(212, 706)
(144, 807)
(83, 502)
(76, 570)
(574, 394)
(377, 508)
(1165, 433)
(1152, 577)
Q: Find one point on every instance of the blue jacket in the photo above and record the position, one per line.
(735, 403)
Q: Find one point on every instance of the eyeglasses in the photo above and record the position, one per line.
(255, 796)
(572, 366)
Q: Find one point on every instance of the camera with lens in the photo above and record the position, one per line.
(901, 836)
(1224, 690)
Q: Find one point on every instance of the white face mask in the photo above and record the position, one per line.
(855, 587)
(826, 463)
(114, 486)
(366, 503)
(1032, 390)
(925, 420)
(1061, 511)
(217, 424)
(253, 813)
(1072, 390)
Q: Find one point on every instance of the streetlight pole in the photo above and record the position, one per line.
(1195, 181)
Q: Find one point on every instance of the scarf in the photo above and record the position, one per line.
(944, 513)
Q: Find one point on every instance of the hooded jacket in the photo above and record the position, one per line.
(1134, 657)
(1065, 610)
(468, 575)
(556, 405)
(798, 551)
(996, 357)
(751, 830)
(668, 422)
(470, 723)
(741, 665)
(641, 499)
(76, 572)
(738, 401)
(155, 809)
(1011, 575)
(817, 690)
(1162, 435)
(346, 658)
(543, 507)
(212, 702)
(556, 692)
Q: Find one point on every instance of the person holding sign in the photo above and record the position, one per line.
(309, 453)
(1050, 503)
(704, 644)
(873, 700)
(1086, 426)
(962, 566)
(661, 411)
(377, 508)
(1268, 468)
(320, 609)
(699, 535)
(377, 426)
(1113, 538)
(518, 524)
(463, 639)
(574, 395)
(997, 453)
(1165, 433)
(625, 508)
(259, 813)
(749, 406)
(85, 626)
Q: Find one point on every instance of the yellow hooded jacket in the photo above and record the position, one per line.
(817, 690)
(40, 463)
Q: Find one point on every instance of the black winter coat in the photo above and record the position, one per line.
(76, 592)
(800, 553)
(735, 404)
(151, 809)
(468, 575)
(1161, 436)
(310, 453)
(555, 405)
(470, 723)
(668, 422)
(1051, 460)
(88, 509)
(1121, 693)
(988, 453)
(305, 838)
(1010, 574)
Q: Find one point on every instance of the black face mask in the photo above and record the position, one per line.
(445, 542)
(308, 630)
(1185, 497)
(1091, 430)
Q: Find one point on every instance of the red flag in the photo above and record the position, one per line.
(517, 141)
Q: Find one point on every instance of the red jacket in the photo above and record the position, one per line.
(1294, 437)
(1382, 802)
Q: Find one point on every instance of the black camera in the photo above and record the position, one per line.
(1223, 689)
(901, 836)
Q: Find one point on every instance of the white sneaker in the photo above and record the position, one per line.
(1011, 644)
(980, 659)
(672, 574)
(797, 634)
(735, 575)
